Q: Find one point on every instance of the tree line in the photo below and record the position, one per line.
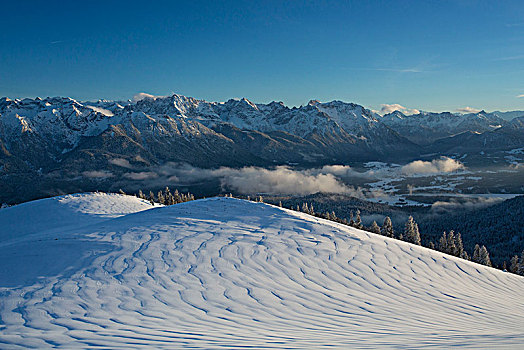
(164, 197)
(449, 243)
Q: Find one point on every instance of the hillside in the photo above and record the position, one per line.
(498, 227)
(223, 273)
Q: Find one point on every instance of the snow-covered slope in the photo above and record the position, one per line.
(59, 213)
(224, 273)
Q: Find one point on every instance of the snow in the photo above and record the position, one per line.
(62, 212)
(223, 273)
(103, 111)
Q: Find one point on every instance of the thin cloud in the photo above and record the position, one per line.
(140, 176)
(397, 70)
(389, 108)
(519, 96)
(142, 96)
(510, 58)
(404, 70)
(56, 42)
(468, 110)
(121, 162)
(96, 174)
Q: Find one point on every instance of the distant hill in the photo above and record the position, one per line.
(499, 227)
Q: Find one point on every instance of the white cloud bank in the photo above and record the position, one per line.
(388, 108)
(280, 180)
(436, 166)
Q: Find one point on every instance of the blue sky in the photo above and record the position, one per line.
(430, 55)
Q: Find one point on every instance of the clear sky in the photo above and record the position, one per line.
(431, 55)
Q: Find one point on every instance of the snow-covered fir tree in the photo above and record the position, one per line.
(358, 220)
(484, 256)
(514, 264)
(521, 265)
(374, 227)
(476, 254)
(411, 232)
(387, 228)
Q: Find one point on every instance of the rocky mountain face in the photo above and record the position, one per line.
(426, 128)
(56, 140)
(45, 132)
(508, 136)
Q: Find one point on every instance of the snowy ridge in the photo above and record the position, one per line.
(65, 212)
(70, 119)
(426, 127)
(222, 273)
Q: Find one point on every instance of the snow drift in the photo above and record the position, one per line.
(223, 273)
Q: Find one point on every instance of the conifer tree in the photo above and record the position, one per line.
(411, 232)
(358, 220)
(168, 197)
(431, 245)
(374, 228)
(387, 228)
(443, 243)
(160, 197)
(484, 256)
(476, 254)
(305, 208)
(514, 264)
(311, 209)
(151, 197)
(465, 255)
(176, 197)
(459, 245)
(280, 204)
(141, 194)
(451, 247)
(521, 265)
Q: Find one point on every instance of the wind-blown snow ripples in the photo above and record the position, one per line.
(226, 273)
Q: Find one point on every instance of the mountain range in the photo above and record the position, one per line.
(62, 137)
